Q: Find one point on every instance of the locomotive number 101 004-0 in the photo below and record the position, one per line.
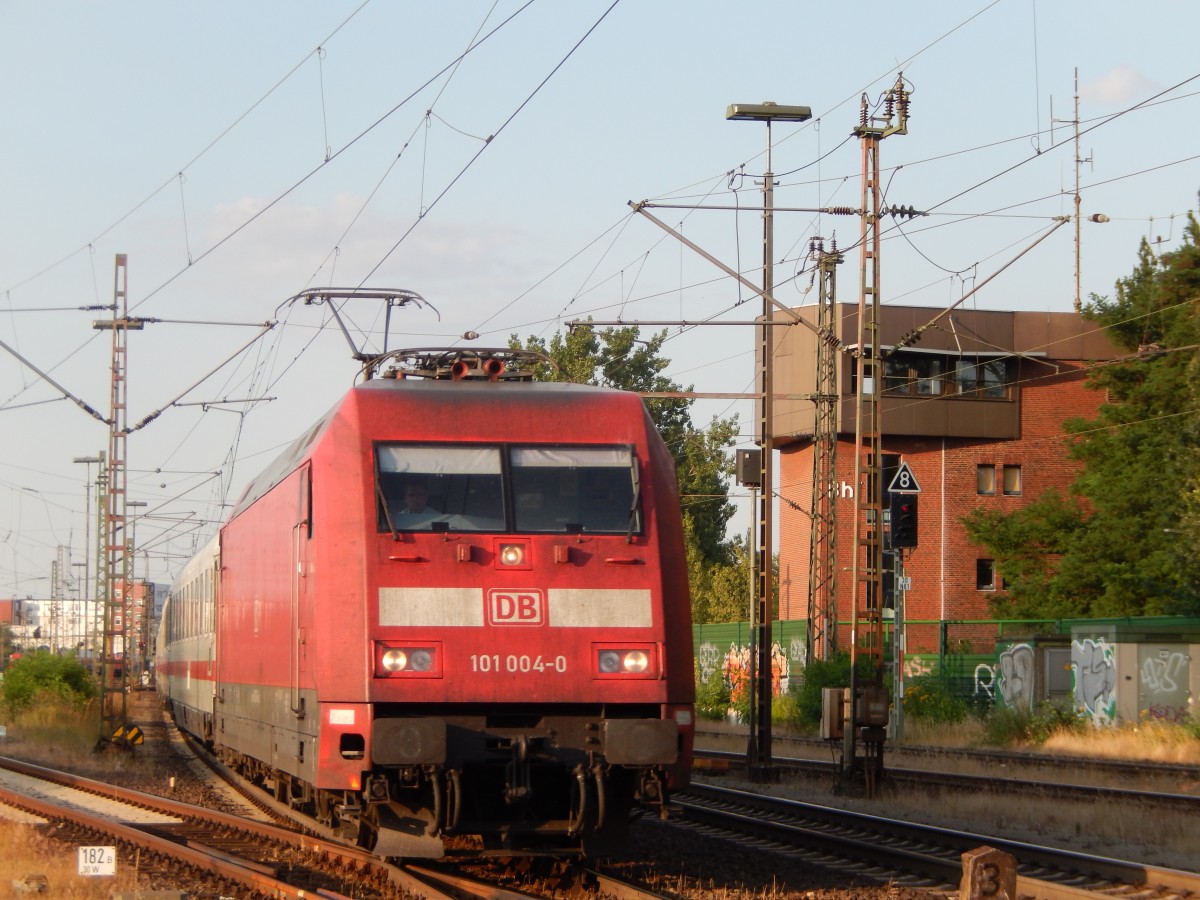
(494, 662)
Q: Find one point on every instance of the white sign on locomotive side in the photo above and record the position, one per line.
(904, 482)
(97, 860)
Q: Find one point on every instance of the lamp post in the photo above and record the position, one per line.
(759, 749)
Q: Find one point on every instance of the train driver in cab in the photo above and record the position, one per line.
(416, 500)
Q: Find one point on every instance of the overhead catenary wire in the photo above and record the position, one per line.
(628, 296)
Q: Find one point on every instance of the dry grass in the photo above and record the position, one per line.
(1149, 741)
(60, 735)
(968, 733)
(26, 851)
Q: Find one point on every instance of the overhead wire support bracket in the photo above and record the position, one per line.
(827, 335)
(82, 404)
(915, 335)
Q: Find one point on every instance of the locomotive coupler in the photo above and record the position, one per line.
(517, 773)
(653, 792)
(377, 789)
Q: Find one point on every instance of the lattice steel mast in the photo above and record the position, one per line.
(822, 560)
(866, 630)
(113, 577)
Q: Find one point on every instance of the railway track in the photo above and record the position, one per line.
(180, 843)
(929, 780)
(1181, 778)
(914, 855)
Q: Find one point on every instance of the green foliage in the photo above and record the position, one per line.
(1191, 725)
(1127, 541)
(712, 698)
(785, 710)
(930, 699)
(721, 592)
(823, 673)
(1009, 726)
(6, 645)
(42, 673)
(1028, 545)
(1005, 726)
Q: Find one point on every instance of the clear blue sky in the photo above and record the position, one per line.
(237, 164)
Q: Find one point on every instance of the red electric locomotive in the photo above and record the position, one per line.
(456, 606)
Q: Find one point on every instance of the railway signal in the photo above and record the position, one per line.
(904, 521)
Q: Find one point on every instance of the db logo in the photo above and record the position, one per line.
(516, 607)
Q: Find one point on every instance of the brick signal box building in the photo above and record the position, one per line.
(975, 409)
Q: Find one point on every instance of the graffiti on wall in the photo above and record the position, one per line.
(985, 682)
(708, 660)
(916, 665)
(1163, 685)
(734, 666)
(1094, 676)
(1013, 678)
(797, 653)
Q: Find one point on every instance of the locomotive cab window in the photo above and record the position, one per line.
(431, 488)
(575, 490)
(548, 490)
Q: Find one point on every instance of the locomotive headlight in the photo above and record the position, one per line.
(512, 554)
(635, 661)
(395, 660)
(627, 662)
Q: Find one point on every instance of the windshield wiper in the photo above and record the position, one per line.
(387, 517)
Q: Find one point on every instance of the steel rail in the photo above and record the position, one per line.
(938, 853)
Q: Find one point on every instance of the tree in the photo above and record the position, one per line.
(1126, 541)
(1027, 546)
(721, 592)
(620, 358)
(45, 674)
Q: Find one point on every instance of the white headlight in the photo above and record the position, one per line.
(512, 554)
(394, 660)
(636, 661)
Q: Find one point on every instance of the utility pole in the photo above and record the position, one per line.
(821, 637)
(58, 577)
(90, 629)
(114, 563)
(867, 708)
(1078, 162)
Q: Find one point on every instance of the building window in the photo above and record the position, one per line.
(896, 378)
(985, 479)
(1012, 481)
(931, 375)
(980, 378)
(985, 574)
(913, 376)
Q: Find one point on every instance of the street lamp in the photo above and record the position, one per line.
(760, 656)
